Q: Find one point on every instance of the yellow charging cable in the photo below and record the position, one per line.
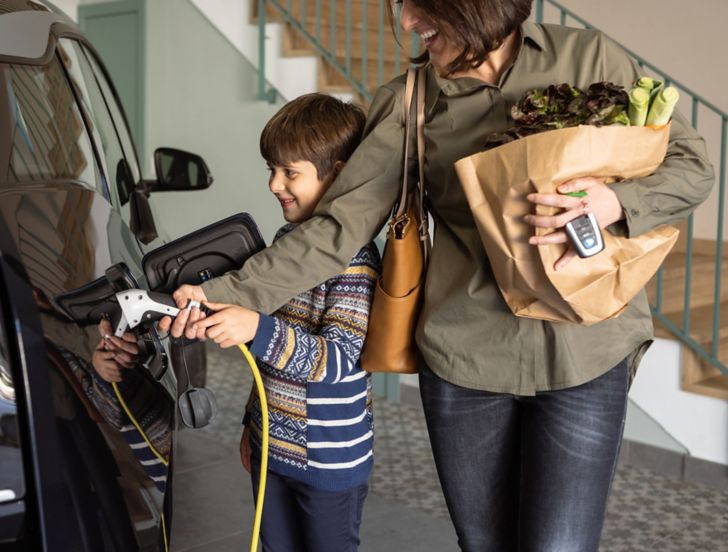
(264, 448)
(151, 447)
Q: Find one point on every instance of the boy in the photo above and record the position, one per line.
(319, 398)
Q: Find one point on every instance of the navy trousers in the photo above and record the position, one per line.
(527, 474)
(301, 518)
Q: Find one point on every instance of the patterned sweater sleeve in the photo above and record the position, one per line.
(332, 353)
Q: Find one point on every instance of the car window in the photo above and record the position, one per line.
(12, 483)
(48, 136)
(79, 70)
(117, 115)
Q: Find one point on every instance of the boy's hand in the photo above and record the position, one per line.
(182, 296)
(125, 349)
(245, 449)
(105, 365)
(229, 326)
(112, 353)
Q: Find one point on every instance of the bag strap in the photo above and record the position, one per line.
(418, 75)
(424, 222)
(408, 95)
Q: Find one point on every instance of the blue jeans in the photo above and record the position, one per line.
(301, 518)
(527, 474)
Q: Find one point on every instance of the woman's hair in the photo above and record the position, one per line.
(477, 26)
(317, 128)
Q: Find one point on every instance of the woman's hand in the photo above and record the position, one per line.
(183, 322)
(600, 200)
(229, 326)
(182, 296)
(245, 449)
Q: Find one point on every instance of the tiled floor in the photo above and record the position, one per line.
(405, 510)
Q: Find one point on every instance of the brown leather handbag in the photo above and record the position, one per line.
(390, 342)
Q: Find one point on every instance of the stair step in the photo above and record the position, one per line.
(702, 283)
(701, 377)
(374, 19)
(332, 77)
(700, 324)
(390, 50)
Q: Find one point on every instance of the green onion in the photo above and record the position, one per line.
(639, 103)
(647, 83)
(663, 106)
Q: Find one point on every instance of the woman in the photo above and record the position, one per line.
(525, 416)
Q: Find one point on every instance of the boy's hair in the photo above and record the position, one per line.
(315, 127)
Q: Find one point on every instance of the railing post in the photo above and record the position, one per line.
(332, 28)
(380, 45)
(261, 50)
(688, 276)
(719, 236)
(364, 44)
(348, 36)
(318, 21)
(415, 45)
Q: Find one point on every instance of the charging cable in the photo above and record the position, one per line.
(156, 453)
(260, 495)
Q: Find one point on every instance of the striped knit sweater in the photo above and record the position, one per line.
(319, 399)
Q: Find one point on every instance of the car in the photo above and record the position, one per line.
(82, 468)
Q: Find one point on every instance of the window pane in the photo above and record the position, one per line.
(117, 115)
(49, 139)
(82, 77)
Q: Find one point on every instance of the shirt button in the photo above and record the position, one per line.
(634, 212)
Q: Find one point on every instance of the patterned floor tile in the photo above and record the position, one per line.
(646, 512)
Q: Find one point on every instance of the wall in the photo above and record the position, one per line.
(682, 38)
(699, 423)
(201, 97)
(290, 76)
(68, 6)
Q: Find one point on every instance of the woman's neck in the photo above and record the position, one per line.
(498, 61)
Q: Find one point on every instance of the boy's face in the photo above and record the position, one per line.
(297, 187)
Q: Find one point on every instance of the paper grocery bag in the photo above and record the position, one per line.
(586, 291)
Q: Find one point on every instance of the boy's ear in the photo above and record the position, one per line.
(337, 168)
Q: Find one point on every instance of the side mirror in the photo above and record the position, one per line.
(179, 170)
(142, 221)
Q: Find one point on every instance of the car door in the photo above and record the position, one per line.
(95, 458)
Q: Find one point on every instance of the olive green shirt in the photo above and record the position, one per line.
(466, 333)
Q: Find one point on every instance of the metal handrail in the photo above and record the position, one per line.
(697, 102)
(327, 49)
(359, 83)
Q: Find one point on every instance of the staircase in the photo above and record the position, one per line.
(356, 54)
(699, 375)
(353, 41)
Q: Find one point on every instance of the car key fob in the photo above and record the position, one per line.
(584, 233)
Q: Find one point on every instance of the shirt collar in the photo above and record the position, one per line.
(533, 33)
(533, 37)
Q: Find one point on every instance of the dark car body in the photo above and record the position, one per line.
(75, 474)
